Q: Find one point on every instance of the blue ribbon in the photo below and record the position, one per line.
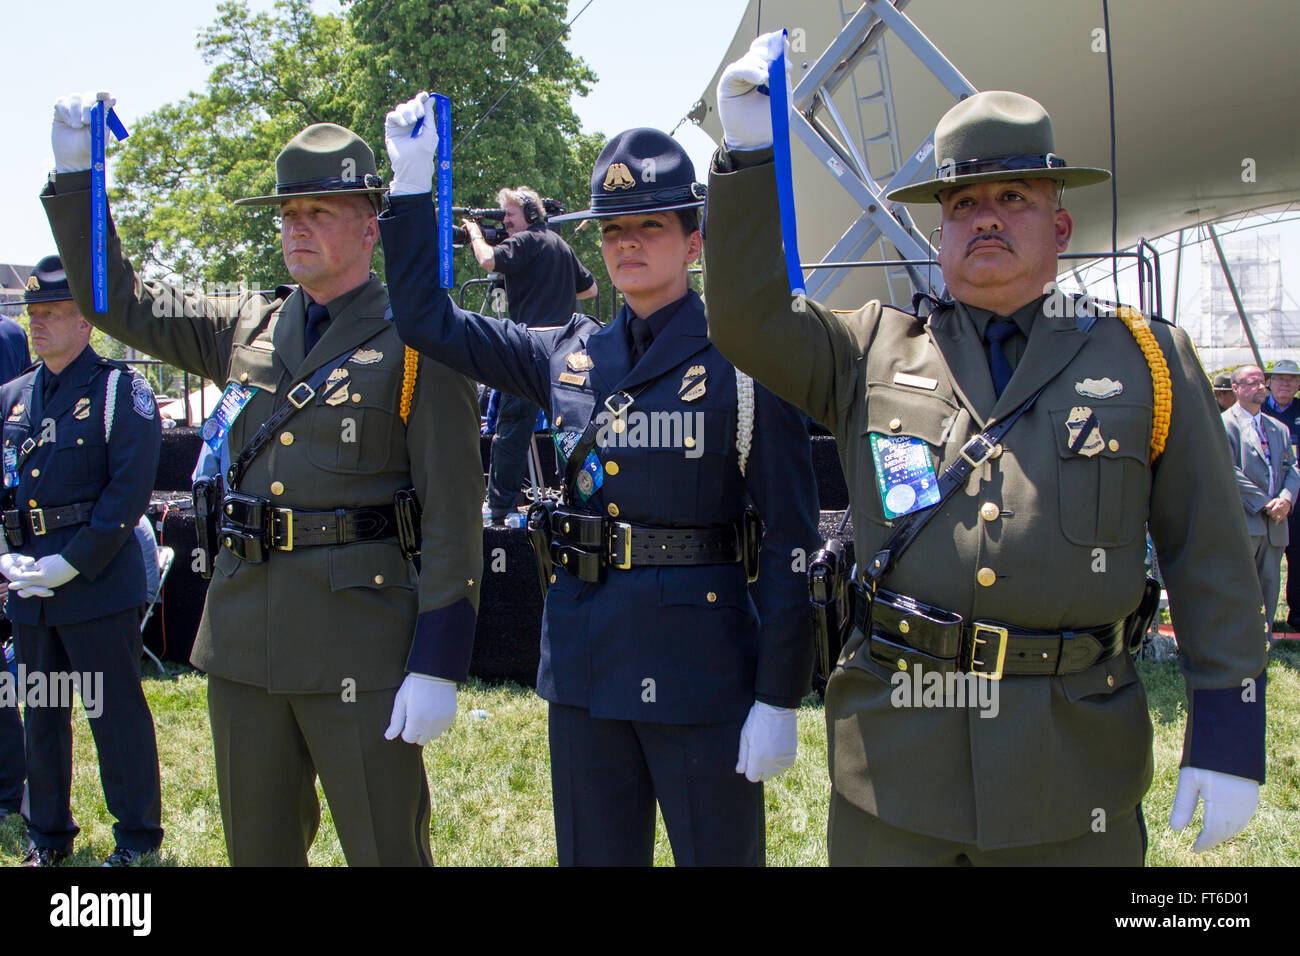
(779, 102)
(442, 116)
(99, 202)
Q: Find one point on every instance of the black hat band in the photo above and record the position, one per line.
(632, 202)
(368, 181)
(998, 164)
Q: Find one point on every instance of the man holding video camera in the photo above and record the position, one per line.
(543, 281)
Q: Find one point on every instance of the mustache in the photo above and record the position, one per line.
(1005, 242)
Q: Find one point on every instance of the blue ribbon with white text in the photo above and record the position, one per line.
(779, 102)
(442, 115)
(99, 201)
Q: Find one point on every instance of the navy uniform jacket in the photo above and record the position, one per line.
(661, 644)
(76, 464)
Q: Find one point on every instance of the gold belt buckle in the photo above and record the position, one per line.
(37, 520)
(998, 632)
(620, 555)
(284, 515)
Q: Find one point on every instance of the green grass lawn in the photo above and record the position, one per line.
(490, 783)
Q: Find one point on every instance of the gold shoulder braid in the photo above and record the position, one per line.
(411, 368)
(1161, 388)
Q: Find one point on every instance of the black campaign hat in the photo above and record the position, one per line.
(640, 170)
(47, 283)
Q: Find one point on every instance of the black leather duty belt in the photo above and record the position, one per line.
(584, 544)
(905, 632)
(38, 521)
(251, 527)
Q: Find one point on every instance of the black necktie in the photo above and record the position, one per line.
(996, 333)
(317, 316)
(50, 387)
(641, 338)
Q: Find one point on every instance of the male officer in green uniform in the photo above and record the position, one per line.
(315, 614)
(1029, 570)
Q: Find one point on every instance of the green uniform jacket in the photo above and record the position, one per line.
(307, 621)
(1065, 543)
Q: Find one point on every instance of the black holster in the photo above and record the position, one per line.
(207, 516)
(539, 539)
(409, 512)
(1137, 624)
(246, 525)
(832, 602)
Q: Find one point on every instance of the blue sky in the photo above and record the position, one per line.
(651, 77)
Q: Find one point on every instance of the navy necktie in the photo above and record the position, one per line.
(996, 334)
(641, 338)
(317, 316)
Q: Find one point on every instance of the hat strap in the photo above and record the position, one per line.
(997, 164)
(368, 181)
(620, 204)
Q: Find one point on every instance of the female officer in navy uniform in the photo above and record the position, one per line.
(669, 683)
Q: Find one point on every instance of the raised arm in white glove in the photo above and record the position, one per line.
(745, 112)
(70, 131)
(769, 742)
(1230, 802)
(412, 159)
(424, 707)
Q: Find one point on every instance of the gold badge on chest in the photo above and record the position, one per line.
(336, 387)
(82, 411)
(694, 383)
(1084, 431)
(579, 362)
(16, 412)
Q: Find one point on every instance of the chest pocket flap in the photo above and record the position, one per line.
(897, 411)
(1105, 481)
(258, 365)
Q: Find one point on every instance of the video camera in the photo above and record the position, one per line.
(494, 235)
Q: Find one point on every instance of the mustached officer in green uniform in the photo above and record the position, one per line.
(1028, 571)
(321, 642)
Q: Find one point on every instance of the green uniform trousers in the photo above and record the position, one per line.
(857, 838)
(269, 749)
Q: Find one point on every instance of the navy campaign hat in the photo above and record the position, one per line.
(640, 170)
(47, 283)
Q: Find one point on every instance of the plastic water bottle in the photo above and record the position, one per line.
(515, 520)
(9, 658)
(478, 715)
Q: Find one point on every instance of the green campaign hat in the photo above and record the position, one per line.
(322, 160)
(995, 135)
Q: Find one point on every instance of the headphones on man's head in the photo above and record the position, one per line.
(532, 213)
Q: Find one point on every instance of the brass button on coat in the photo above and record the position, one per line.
(986, 577)
(36, 473)
(1110, 680)
(688, 441)
(379, 579)
(711, 597)
(286, 438)
(31, 503)
(613, 510)
(1114, 445)
(243, 376)
(895, 424)
(989, 511)
(904, 627)
(277, 488)
(611, 468)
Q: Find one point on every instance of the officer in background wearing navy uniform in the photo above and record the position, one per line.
(14, 359)
(669, 683)
(81, 440)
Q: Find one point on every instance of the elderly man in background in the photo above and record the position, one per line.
(1265, 464)
(1283, 381)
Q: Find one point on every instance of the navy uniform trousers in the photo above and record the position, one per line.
(91, 625)
(650, 672)
(13, 766)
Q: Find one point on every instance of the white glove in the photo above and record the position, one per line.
(746, 113)
(412, 159)
(11, 565)
(424, 707)
(41, 578)
(769, 742)
(70, 131)
(1230, 802)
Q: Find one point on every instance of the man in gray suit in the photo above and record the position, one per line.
(1266, 476)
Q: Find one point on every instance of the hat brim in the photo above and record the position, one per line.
(929, 190)
(614, 213)
(284, 197)
(36, 298)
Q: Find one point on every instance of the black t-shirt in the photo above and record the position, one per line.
(543, 276)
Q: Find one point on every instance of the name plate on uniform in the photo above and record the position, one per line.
(214, 430)
(904, 473)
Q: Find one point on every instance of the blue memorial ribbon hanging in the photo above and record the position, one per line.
(779, 102)
(442, 116)
(99, 201)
